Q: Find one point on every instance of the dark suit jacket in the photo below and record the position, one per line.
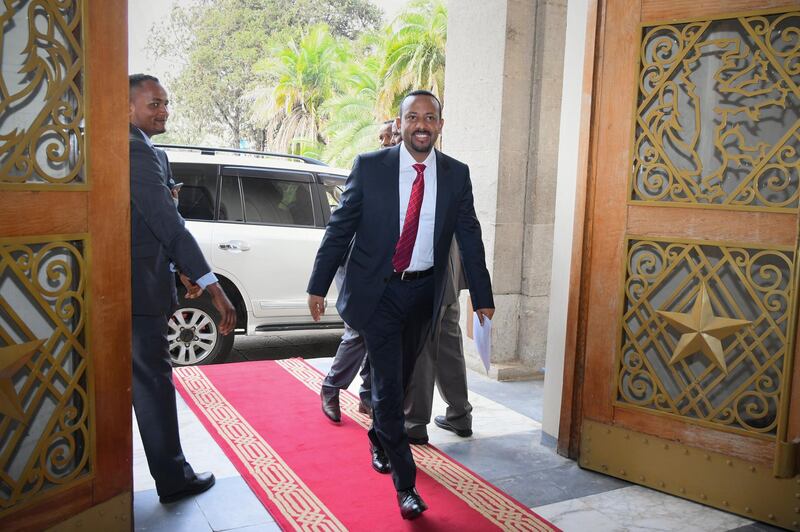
(164, 160)
(369, 209)
(158, 235)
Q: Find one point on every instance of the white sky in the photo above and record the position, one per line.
(142, 14)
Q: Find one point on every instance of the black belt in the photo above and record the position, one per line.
(412, 276)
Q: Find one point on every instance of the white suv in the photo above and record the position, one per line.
(259, 220)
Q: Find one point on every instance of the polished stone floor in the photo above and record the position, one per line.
(506, 449)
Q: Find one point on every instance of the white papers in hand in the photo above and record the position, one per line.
(483, 338)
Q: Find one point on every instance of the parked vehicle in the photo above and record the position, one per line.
(259, 219)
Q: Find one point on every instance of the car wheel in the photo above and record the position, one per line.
(193, 335)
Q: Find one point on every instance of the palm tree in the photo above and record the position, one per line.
(306, 73)
(415, 53)
(353, 121)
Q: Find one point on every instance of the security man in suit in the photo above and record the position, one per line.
(161, 243)
(403, 205)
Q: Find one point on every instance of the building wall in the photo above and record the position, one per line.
(502, 110)
(568, 149)
(512, 112)
(549, 27)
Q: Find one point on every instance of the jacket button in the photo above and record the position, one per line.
(385, 279)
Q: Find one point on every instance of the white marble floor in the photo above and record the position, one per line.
(505, 448)
(635, 508)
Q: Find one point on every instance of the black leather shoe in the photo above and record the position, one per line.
(418, 440)
(330, 403)
(201, 483)
(364, 407)
(380, 462)
(442, 423)
(411, 504)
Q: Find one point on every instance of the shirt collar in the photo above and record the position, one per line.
(406, 160)
(146, 138)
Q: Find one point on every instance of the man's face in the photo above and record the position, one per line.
(396, 137)
(420, 124)
(385, 136)
(148, 108)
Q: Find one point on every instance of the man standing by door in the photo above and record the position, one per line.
(159, 243)
(403, 205)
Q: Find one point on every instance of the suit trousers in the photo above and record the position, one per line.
(442, 361)
(394, 334)
(350, 355)
(154, 404)
(348, 360)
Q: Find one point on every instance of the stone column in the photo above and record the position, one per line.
(502, 94)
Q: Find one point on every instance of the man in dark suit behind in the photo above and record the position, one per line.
(159, 244)
(394, 285)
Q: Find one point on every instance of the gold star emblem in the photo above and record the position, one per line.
(12, 359)
(702, 331)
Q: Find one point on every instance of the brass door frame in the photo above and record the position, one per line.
(572, 440)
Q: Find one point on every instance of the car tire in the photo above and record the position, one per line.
(193, 333)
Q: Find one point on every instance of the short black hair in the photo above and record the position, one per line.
(420, 92)
(135, 80)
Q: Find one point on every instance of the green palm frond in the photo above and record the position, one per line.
(415, 53)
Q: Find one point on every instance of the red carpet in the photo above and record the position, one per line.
(313, 475)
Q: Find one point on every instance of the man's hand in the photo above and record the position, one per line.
(481, 312)
(316, 305)
(224, 307)
(193, 291)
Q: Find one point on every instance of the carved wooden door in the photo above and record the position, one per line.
(689, 286)
(65, 414)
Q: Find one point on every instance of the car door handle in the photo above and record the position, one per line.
(235, 246)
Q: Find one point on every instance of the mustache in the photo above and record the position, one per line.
(421, 131)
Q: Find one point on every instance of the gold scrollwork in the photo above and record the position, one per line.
(41, 107)
(718, 114)
(46, 432)
(749, 287)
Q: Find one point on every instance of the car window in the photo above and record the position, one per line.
(333, 187)
(270, 201)
(196, 198)
(230, 200)
(333, 194)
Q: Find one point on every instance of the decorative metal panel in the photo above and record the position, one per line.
(705, 332)
(718, 114)
(41, 93)
(46, 430)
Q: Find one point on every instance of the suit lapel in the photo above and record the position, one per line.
(392, 161)
(444, 192)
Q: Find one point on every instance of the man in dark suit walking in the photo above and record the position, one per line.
(160, 244)
(403, 205)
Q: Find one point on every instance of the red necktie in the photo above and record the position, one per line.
(405, 245)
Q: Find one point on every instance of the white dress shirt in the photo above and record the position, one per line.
(422, 255)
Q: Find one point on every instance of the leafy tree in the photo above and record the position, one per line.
(306, 73)
(220, 41)
(353, 122)
(415, 53)
(313, 77)
(345, 18)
